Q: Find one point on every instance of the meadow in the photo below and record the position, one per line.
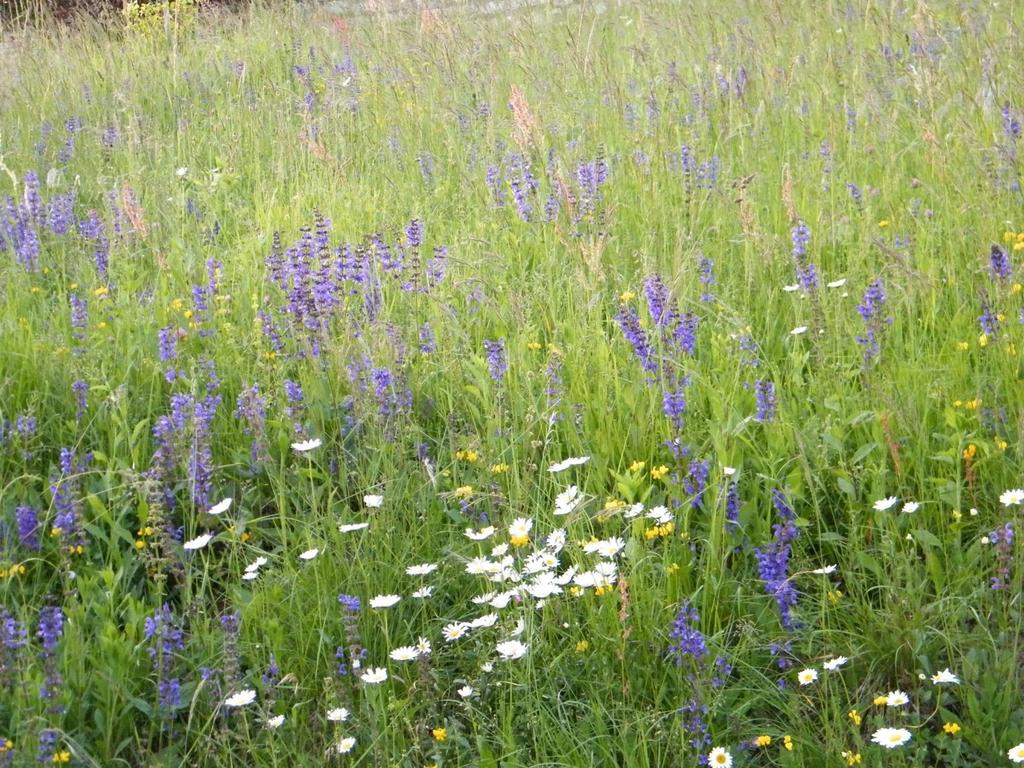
(629, 388)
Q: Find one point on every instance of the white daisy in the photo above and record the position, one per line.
(826, 570)
(465, 691)
(499, 550)
(349, 527)
(454, 631)
(423, 646)
(220, 507)
(634, 511)
(798, 330)
(910, 507)
(487, 620)
(945, 676)
(182, 172)
(338, 715)
(837, 283)
(835, 663)
(374, 675)
(890, 738)
(240, 699)
(250, 575)
(309, 554)
(404, 653)
(567, 501)
(275, 722)
(1012, 498)
(256, 564)
(346, 745)
(791, 288)
(307, 445)
(520, 527)
(1016, 754)
(483, 533)
(896, 698)
(887, 503)
(720, 757)
(511, 650)
(807, 676)
(373, 501)
(423, 593)
(555, 540)
(384, 601)
(421, 570)
(728, 471)
(575, 461)
(198, 542)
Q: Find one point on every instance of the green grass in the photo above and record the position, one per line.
(276, 116)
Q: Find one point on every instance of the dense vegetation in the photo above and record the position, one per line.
(636, 388)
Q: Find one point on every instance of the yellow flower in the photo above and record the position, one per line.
(854, 716)
(636, 466)
(963, 345)
(56, 531)
(1008, 236)
(602, 589)
(575, 590)
(834, 596)
(498, 469)
(1016, 288)
(972, 405)
(533, 346)
(469, 456)
(659, 472)
(61, 757)
(582, 646)
(140, 544)
(763, 741)
(463, 492)
(883, 223)
(626, 296)
(951, 728)
(983, 340)
(101, 292)
(957, 514)
(880, 701)
(439, 734)
(970, 452)
(1001, 444)
(672, 567)
(6, 745)
(851, 758)
(520, 540)
(246, 536)
(612, 504)
(36, 289)
(787, 742)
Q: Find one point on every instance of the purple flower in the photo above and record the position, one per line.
(870, 309)
(1001, 268)
(806, 274)
(764, 392)
(772, 567)
(349, 603)
(497, 363)
(629, 322)
(687, 640)
(49, 632)
(80, 390)
(27, 520)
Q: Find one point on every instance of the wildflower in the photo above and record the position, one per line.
(945, 676)
(573, 462)
(346, 745)
(636, 466)
(567, 501)
(220, 507)
(240, 699)
(404, 653)
(463, 492)
(1012, 498)
(198, 542)
(890, 738)
(511, 650)
(896, 698)
(1016, 754)
(338, 715)
(835, 663)
(851, 758)
(659, 472)
(307, 445)
(855, 716)
(309, 554)
(349, 527)
(373, 502)
(374, 675)
(384, 601)
(719, 756)
(764, 392)
(951, 728)
(497, 364)
(519, 531)
(439, 734)
(807, 676)
(465, 691)
(582, 646)
(483, 533)
(499, 469)
(887, 503)
(910, 507)
(275, 722)
(799, 330)
(787, 742)
(826, 570)
(421, 570)
(454, 631)
(763, 741)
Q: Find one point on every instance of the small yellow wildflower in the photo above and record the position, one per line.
(963, 346)
(787, 742)
(883, 223)
(246, 536)
(140, 544)
(469, 456)
(101, 292)
(6, 745)
(61, 757)
(951, 728)
(1016, 288)
(1008, 236)
(957, 514)
(499, 469)
(602, 589)
(983, 340)
(973, 405)
(35, 289)
(56, 531)
(659, 472)
(626, 296)
(855, 716)
(582, 646)
(880, 701)
(463, 492)
(834, 596)
(611, 505)
(1001, 444)
(851, 758)
(672, 568)
(763, 741)
(439, 734)
(575, 590)
(533, 346)
(970, 452)
(636, 466)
